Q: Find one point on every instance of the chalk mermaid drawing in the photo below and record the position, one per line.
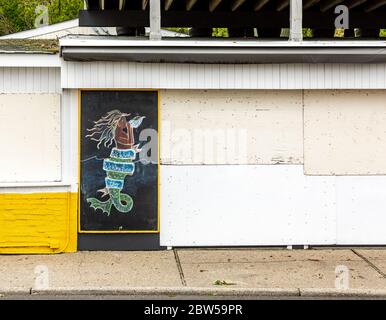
(115, 128)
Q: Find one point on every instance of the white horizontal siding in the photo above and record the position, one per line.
(30, 80)
(237, 205)
(224, 76)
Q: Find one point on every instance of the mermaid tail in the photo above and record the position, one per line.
(117, 167)
(105, 206)
(122, 202)
(119, 198)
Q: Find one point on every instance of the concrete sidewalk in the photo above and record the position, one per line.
(198, 272)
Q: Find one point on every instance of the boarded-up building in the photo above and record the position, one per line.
(127, 142)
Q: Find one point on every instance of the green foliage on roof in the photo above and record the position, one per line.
(29, 46)
(20, 15)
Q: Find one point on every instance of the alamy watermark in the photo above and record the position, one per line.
(342, 21)
(342, 277)
(197, 145)
(42, 16)
(42, 278)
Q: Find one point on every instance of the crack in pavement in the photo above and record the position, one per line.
(372, 265)
(180, 271)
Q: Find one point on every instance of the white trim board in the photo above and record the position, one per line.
(18, 60)
(28, 189)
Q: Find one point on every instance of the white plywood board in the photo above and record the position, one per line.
(269, 205)
(31, 139)
(361, 210)
(344, 132)
(245, 205)
(231, 127)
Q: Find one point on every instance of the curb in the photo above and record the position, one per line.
(171, 291)
(348, 293)
(197, 291)
(15, 291)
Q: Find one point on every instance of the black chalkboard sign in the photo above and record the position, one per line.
(119, 161)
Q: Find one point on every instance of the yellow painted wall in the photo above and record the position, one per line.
(38, 223)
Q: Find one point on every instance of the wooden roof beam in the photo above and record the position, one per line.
(328, 4)
(109, 4)
(259, 4)
(309, 3)
(144, 4)
(351, 4)
(282, 4)
(168, 4)
(236, 4)
(213, 4)
(190, 4)
(121, 4)
(375, 4)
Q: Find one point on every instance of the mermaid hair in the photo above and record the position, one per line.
(104, 128)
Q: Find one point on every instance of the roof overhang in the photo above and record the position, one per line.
(222, 51)
(29, 53)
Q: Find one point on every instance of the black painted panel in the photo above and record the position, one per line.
(118, 191)
(118, 242)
